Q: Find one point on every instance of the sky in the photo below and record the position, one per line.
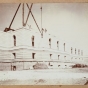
(69, 21)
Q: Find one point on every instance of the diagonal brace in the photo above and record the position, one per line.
(28, 13)
(14, 16)
(34, 18)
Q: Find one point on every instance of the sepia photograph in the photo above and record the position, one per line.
(43, 43)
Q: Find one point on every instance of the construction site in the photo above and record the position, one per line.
(21, 49)
(34, 56)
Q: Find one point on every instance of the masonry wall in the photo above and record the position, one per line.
(22, 47)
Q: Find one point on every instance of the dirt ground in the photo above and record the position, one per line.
(45, 77)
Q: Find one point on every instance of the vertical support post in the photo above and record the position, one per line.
(41, 22)
(23, 15)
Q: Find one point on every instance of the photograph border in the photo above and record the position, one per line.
(44, 1)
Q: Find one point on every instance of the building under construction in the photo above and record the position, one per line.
(22, 48)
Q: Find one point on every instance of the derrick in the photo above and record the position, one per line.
(25, 23)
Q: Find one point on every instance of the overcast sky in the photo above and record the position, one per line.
(68, 21)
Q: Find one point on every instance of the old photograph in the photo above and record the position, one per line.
(43, 43)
